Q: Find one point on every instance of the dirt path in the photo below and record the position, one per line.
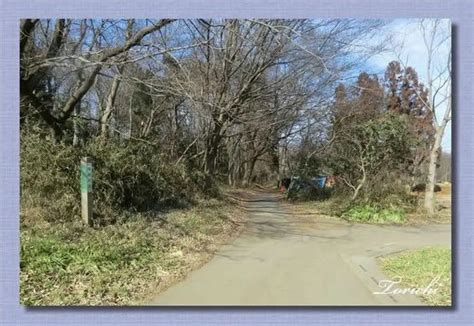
(285, 259)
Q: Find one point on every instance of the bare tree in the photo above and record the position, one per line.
(221, 94)
(36, 67)
(439, 93)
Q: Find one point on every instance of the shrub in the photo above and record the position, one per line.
(49, 178)
(130, 176)
(374, 214)
(372, 157)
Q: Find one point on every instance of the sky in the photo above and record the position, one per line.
(408, 45)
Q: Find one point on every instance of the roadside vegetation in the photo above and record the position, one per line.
(418, 268)
(153, 222)
(122, 263)
(384, 145)
(392, 210)
(377, 154)
(374, 214)
(130, 176)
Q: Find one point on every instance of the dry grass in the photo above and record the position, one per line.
(443, 208)
(121, 264)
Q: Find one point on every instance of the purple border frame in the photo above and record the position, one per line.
(460, 11)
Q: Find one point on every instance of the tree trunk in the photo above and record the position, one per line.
(232, 164)
(230, 181)
(109, 106)
(212, 149)
(248, 174)
(361, 183)
(76, 139)
(434, 157)
(26, 28)
(130, 118)
(430, 184)
(359, 187)
(282, 163)
(356, 191)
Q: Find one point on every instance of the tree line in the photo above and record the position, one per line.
(241, 100)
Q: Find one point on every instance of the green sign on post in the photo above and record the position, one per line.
(86, 176)
(86, 190)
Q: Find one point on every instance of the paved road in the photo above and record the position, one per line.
(286, 259)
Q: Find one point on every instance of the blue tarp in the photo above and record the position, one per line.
(319, 181)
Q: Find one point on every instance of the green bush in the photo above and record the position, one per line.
(130, 176)
(377, 151)
(374, 214)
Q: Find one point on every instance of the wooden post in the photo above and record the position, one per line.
(86, 190)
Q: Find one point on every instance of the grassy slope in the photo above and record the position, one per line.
(68, 264)
(417, 268)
